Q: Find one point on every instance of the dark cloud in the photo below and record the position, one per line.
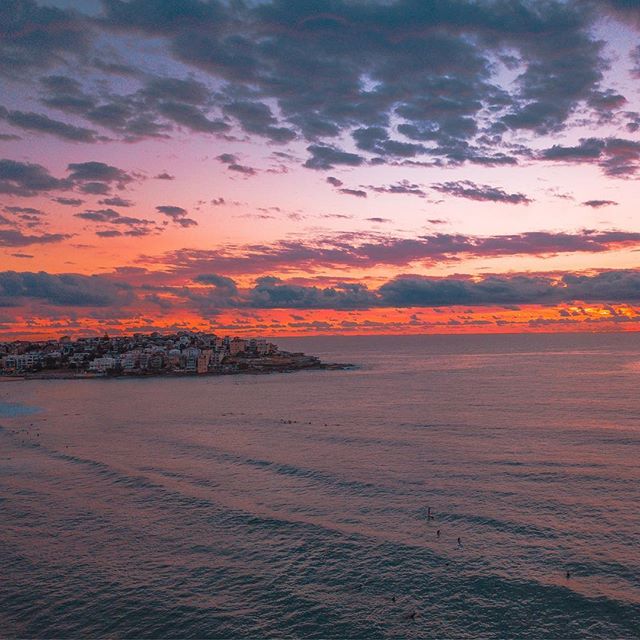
(27, 179)
(24, 210)
(334, 68)
(95, 188)
(187, 90)
(134, 226)
(378, 220)
(327, 157)
(480, 192)
(411, 291)
(108, 233)
(98, 172)
(227, 158)
(173, 212)
(37, 37)
(596, 204)
(116, 201)
(334, 181)
(358, 193)
(221, 283)
(63, 290)
(177, 214)
(268, 292)
(256, 117)
(414, 291)
(404, 187)
(191, 117)
(157, 17)
(115, 68)
(69, 202)
(418, 291)
(233, 165)
(31, 121)
(15, 238)
(617, 157)
(627, 10)
(272, 293)
(402, 81)
(366, 251)
(164, 176)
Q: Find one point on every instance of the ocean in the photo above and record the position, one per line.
(297, 505)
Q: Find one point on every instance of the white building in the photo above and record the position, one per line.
(102, 365)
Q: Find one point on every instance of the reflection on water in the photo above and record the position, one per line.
(296, 505)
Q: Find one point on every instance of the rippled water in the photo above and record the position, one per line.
(295, 505)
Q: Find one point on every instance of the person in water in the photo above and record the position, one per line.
(459, 542)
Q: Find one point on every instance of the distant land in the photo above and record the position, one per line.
(178, 354)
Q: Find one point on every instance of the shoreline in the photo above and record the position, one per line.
(64, 375)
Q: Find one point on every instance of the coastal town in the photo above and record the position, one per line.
(181, 353)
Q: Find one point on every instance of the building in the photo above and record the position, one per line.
(102, 365)
(236, 346)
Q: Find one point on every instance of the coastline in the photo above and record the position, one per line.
(66, 375)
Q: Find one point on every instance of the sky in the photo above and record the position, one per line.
(276, 167)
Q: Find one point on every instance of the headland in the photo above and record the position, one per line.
(183, 353)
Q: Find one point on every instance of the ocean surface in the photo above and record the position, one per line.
(296, 505)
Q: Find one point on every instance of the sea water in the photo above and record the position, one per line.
(297, 505)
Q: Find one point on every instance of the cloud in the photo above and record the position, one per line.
(596, 204)
(410, 291)
(15, 238)
(326, 72)
(27, 179)
(366, 251)
(414, 291)
(157, 17)
(116, 201)
(480, 192)
(358, 193)
(403, 187)
(164, 176)
(233, 165)
(256, 117)
(69, 290)
(69, 202)
(98, 172)
(178, 215)
(135, 226)
(36, 37)
(617, 157)
(324, 157)
(221, 283)
(272, 293)
(214, 292)
(191, 117)
(378, 220)
(24, 210)
(188, 90)
(31, 121)
(95, 188)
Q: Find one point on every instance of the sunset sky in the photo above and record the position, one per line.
(279, 167)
